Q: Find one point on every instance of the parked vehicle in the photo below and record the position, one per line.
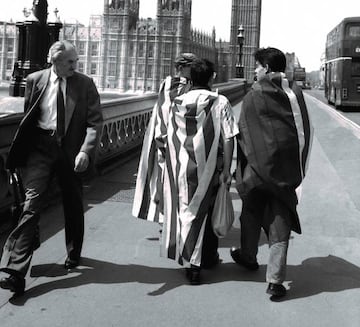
(342, 64)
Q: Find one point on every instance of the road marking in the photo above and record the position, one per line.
(341, 119)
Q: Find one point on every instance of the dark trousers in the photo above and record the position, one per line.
(209, 251)
(45, 160)
(261, 209)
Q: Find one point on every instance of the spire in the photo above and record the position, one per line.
(106, 7)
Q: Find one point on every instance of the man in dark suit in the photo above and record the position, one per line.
(58, 135)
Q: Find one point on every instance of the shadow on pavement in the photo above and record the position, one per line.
(322, 274)
(349, 109)
(117, 185)
(313, 276)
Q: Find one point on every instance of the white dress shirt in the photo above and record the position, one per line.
(48, 104)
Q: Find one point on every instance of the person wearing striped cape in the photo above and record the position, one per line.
(148, 192)
(200, 141)
(273, 151)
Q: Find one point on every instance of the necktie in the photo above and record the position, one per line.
(60, 120)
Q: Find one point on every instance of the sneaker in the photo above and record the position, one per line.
(276, 290)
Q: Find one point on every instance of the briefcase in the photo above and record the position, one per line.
(18, 194)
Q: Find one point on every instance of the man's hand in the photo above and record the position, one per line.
(81, 162)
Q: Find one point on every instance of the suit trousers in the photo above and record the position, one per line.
(46, 159)
(261, 209)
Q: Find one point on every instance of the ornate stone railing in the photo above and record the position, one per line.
(124, 126)
(125, 121)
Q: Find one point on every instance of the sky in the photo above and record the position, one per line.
(298, 26)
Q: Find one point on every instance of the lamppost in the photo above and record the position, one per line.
(34, 40)
(239, 66)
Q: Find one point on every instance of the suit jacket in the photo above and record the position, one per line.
(83, 117)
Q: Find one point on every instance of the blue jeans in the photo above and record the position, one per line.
(261, 209)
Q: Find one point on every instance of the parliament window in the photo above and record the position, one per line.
(80, 66)
(167, 70)
(141, 50)
(149, 72)
(151, 50)
(94, 49)
(112, 69)
(167, 50)
(131, 49)
(81, 48)
(10, 46)
(140, 72)
(9, 64)
(112, 48)
(93, 69)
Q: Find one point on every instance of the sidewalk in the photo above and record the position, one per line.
(123, 282)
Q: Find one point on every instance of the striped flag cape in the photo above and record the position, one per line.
(196, 122)
(274, 141)
(148, 191)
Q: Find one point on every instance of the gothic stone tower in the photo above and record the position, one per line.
(119, 18)
(248, 14)
(173, 20)
(138, 53)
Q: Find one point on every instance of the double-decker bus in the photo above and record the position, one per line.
(342, 64)
(300, 76)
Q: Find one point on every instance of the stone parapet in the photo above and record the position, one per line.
(124, 126)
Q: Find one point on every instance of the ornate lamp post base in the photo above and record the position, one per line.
(239, 71)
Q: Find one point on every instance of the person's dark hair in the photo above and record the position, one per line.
(184, 59)
(201, 71)
(272, 57)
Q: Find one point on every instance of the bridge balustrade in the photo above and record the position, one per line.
(124, 126)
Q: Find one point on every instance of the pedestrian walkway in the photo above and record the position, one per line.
(123, 282)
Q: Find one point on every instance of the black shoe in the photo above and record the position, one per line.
(276, 290)
(71, 263)
(238, 257)
(193, 275)
(208, 264)
(13, 283)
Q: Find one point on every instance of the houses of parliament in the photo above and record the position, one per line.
(122, 51)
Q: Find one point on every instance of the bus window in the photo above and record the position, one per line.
(355, 68)
(354, 31)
